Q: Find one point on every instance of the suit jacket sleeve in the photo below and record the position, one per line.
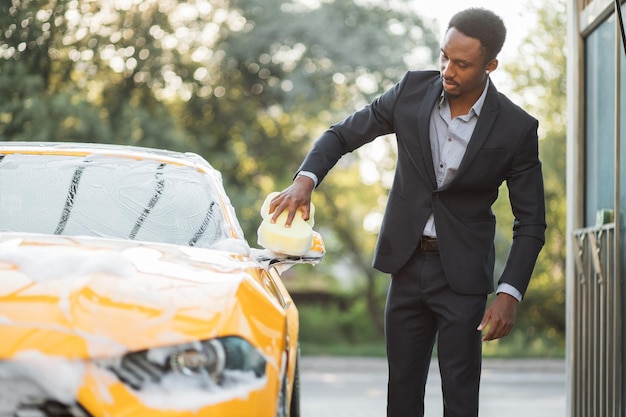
(361, 127)
(526, 195)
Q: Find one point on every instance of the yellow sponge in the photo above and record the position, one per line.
(294, 240)
(265, 208)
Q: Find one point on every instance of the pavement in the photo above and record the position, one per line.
(356, 387)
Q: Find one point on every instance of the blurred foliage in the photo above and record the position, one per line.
(540, 80)
(347, 334)
(249, 85)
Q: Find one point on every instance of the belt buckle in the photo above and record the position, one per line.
(429, 244)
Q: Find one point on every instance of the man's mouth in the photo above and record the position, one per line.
(449, 83)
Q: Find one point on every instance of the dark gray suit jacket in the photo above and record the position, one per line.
(503, 147)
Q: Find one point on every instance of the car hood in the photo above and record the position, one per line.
(89, 297)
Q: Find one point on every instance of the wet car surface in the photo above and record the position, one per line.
(127, 288)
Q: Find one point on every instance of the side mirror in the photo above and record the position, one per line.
(313, 256)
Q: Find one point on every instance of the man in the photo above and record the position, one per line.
(458, 140)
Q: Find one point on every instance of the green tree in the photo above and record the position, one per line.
(539, 81)
(246, 84)
(287, 80)
(284, 71)
(76, 71)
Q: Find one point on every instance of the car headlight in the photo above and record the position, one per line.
(207, 363)
(209, 360)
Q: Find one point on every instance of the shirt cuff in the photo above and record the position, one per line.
(510, 290)
(310, 175)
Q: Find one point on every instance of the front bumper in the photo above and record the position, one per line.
(34, 385)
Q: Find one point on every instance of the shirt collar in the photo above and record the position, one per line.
(477, 107)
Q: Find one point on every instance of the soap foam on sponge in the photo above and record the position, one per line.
(295, 240)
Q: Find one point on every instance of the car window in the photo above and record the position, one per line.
(109, 196)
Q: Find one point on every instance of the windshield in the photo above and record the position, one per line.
(109, 196)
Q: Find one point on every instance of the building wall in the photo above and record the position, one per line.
(596, 187)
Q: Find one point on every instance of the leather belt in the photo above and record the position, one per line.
(428, 244)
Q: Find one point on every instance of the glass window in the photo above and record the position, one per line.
(600, 120)
(108, 196)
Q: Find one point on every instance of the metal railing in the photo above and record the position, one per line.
(596, 358)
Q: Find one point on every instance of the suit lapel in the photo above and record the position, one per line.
(423, 118)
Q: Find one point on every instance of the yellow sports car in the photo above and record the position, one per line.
(127, 289)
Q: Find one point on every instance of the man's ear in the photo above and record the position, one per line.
(492, 65)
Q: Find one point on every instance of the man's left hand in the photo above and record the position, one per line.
(500, 316)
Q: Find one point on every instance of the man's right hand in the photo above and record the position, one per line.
(296, 196)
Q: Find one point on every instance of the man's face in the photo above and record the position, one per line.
(463, 65)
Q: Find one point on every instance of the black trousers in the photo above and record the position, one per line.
(421, 308)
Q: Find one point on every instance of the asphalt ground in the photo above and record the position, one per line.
(356, 387)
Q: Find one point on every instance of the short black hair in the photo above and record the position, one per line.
(481, 24)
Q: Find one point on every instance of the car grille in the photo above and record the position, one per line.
(22, 397)
(136, 370)
(48, 408)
